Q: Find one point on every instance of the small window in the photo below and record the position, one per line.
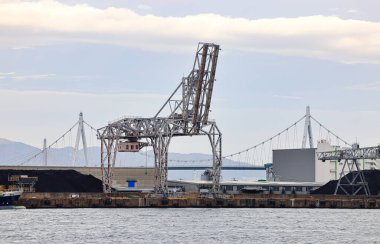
(229, 188)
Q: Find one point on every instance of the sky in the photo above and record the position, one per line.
(114, 58)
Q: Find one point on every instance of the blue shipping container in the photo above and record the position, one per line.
(131, 183)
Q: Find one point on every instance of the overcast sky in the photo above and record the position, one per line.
(114, 58)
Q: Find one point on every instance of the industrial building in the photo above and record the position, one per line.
(302, 165)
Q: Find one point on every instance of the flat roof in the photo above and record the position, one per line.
(249, 183)
(296, 149)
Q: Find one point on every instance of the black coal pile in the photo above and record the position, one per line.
(56, 180)
(371, 176)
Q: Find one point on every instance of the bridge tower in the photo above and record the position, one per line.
(80, 134)
(307, 134)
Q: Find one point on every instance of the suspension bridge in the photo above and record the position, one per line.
(258, 156)
(63, 151)
(79, 146)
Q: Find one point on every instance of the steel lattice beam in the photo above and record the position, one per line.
(357, 182)
(351, 154)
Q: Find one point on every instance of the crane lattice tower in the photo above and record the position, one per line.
(187, 116)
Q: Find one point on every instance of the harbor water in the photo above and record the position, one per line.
(190, 226)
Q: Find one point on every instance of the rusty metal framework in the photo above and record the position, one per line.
(357, 182)
(187, 111)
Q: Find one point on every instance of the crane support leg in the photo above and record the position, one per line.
(215, 137)
(161, 148)
(354, 184)
(109, 141)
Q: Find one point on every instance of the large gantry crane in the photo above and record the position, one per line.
(187, 115)
(354, 184)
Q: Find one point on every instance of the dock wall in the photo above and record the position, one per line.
(142, 200)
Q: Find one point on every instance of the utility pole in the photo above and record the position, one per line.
(45, 152)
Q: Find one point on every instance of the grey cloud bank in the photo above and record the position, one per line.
(324, 37)
(112, 58)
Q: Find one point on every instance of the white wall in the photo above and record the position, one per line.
(323, 172)
(330, 170)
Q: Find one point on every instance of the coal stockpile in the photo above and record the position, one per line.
(56, 180)
(371, 176)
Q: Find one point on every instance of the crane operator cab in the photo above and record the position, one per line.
(128, 146)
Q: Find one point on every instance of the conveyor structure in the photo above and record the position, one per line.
(356, 183)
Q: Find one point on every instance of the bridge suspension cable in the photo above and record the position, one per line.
(265, 141)
(256, 155)
(329, 131)
(245, 157)
(261, 153)
(48, 147)
(61, 140)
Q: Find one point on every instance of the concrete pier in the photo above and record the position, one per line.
(189, 200)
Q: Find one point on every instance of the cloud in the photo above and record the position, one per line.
(144, 7)
(21, 48)
(372, 86)
(34, 23)
(131, 94)
(2, 74)
(15, 76)
(353, 11)
(333, 9)
(287, 97)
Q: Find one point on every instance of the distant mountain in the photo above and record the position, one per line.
(4, 141)
(17, 153)
(13, 152)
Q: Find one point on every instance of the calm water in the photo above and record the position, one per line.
(190, 226)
